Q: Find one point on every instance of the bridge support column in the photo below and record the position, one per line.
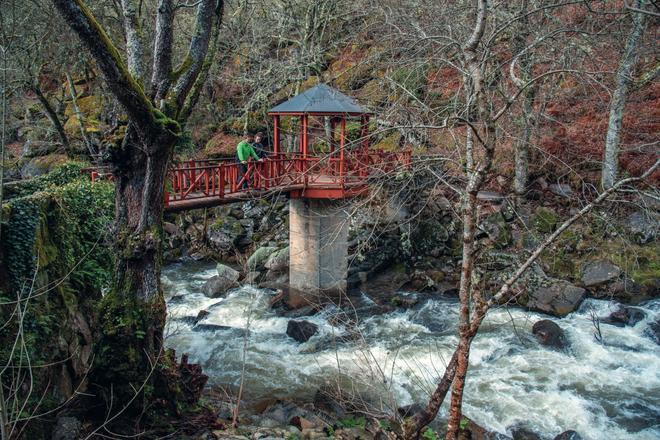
(318, 239)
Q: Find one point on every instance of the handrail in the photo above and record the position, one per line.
(196, 179)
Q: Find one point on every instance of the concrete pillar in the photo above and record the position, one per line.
(318, 239)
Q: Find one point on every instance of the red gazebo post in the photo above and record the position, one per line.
(276, 146)
(342, 141)
(364, 134)
(304, 122)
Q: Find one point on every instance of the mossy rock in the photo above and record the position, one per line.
(44, 164)
(498, 230)
(72, 126)
(90, 107)
(544, 220)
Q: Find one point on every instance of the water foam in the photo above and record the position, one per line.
(602, 390)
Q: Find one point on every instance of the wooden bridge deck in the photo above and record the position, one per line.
(199, 184)
(201, 200)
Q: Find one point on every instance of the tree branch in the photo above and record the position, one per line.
(162, 63)
(192, 64)
(119, 80)
(134, 42)
(193, 96)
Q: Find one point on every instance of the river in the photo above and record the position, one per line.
(602, 390)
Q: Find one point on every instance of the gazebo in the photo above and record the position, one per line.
(321, 106)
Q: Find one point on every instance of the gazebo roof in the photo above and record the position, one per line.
(320, 99)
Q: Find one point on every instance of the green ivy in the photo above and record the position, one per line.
(353, 422)
(60, 229)
(430, 434)
(61, 175)
(54, 246)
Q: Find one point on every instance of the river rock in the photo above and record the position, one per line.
(409, 410)
(521, 433)
(569, 435)
(219, 284)
(653, 331)
(329, 402)
(386, 282)
(67, 428)
(497, 230)
(469, 430)
(224, 234)
(624, 316)
(301, 331)
(549, 333)
(201, 315)
(278, 260)
(599, 272)
(252, 277)
(559, 299)
(259, 257)
(227, 272)
(405, 301)
(172, 229)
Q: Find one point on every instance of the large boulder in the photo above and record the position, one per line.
(522, 433)
(569, 435)
(549, 334)
(624, 316)
(278, 261)
(301, 331)
(643, 226)
(559, 298)
(224, 234)
(497, 230)
(597, 273)
(258, 259)
(653, 331)
(218, 285)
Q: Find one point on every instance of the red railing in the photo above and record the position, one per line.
(208, 178)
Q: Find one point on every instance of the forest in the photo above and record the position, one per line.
(329, 219)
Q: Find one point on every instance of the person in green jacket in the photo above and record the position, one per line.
(244, 151)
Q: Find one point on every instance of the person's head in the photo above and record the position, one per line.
(259, 136)
(248, 137)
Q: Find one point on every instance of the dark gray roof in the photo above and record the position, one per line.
(319, 99)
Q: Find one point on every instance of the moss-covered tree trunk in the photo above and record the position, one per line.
(130, 364)
(133, 312)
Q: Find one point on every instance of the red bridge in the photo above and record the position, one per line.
(325, 166)
(198, 184)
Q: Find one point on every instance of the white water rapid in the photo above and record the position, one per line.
(608, 390)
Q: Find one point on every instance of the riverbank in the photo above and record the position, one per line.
(591, 385)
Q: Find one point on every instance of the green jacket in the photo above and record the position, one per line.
(244, 150)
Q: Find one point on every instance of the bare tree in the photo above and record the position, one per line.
(623, 81)
(483, 109)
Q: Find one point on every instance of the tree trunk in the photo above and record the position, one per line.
(522, 53)
(54, 119)
(623, 81)
(522, 146)
(132, 341)
(80, 117)
(465, 290)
